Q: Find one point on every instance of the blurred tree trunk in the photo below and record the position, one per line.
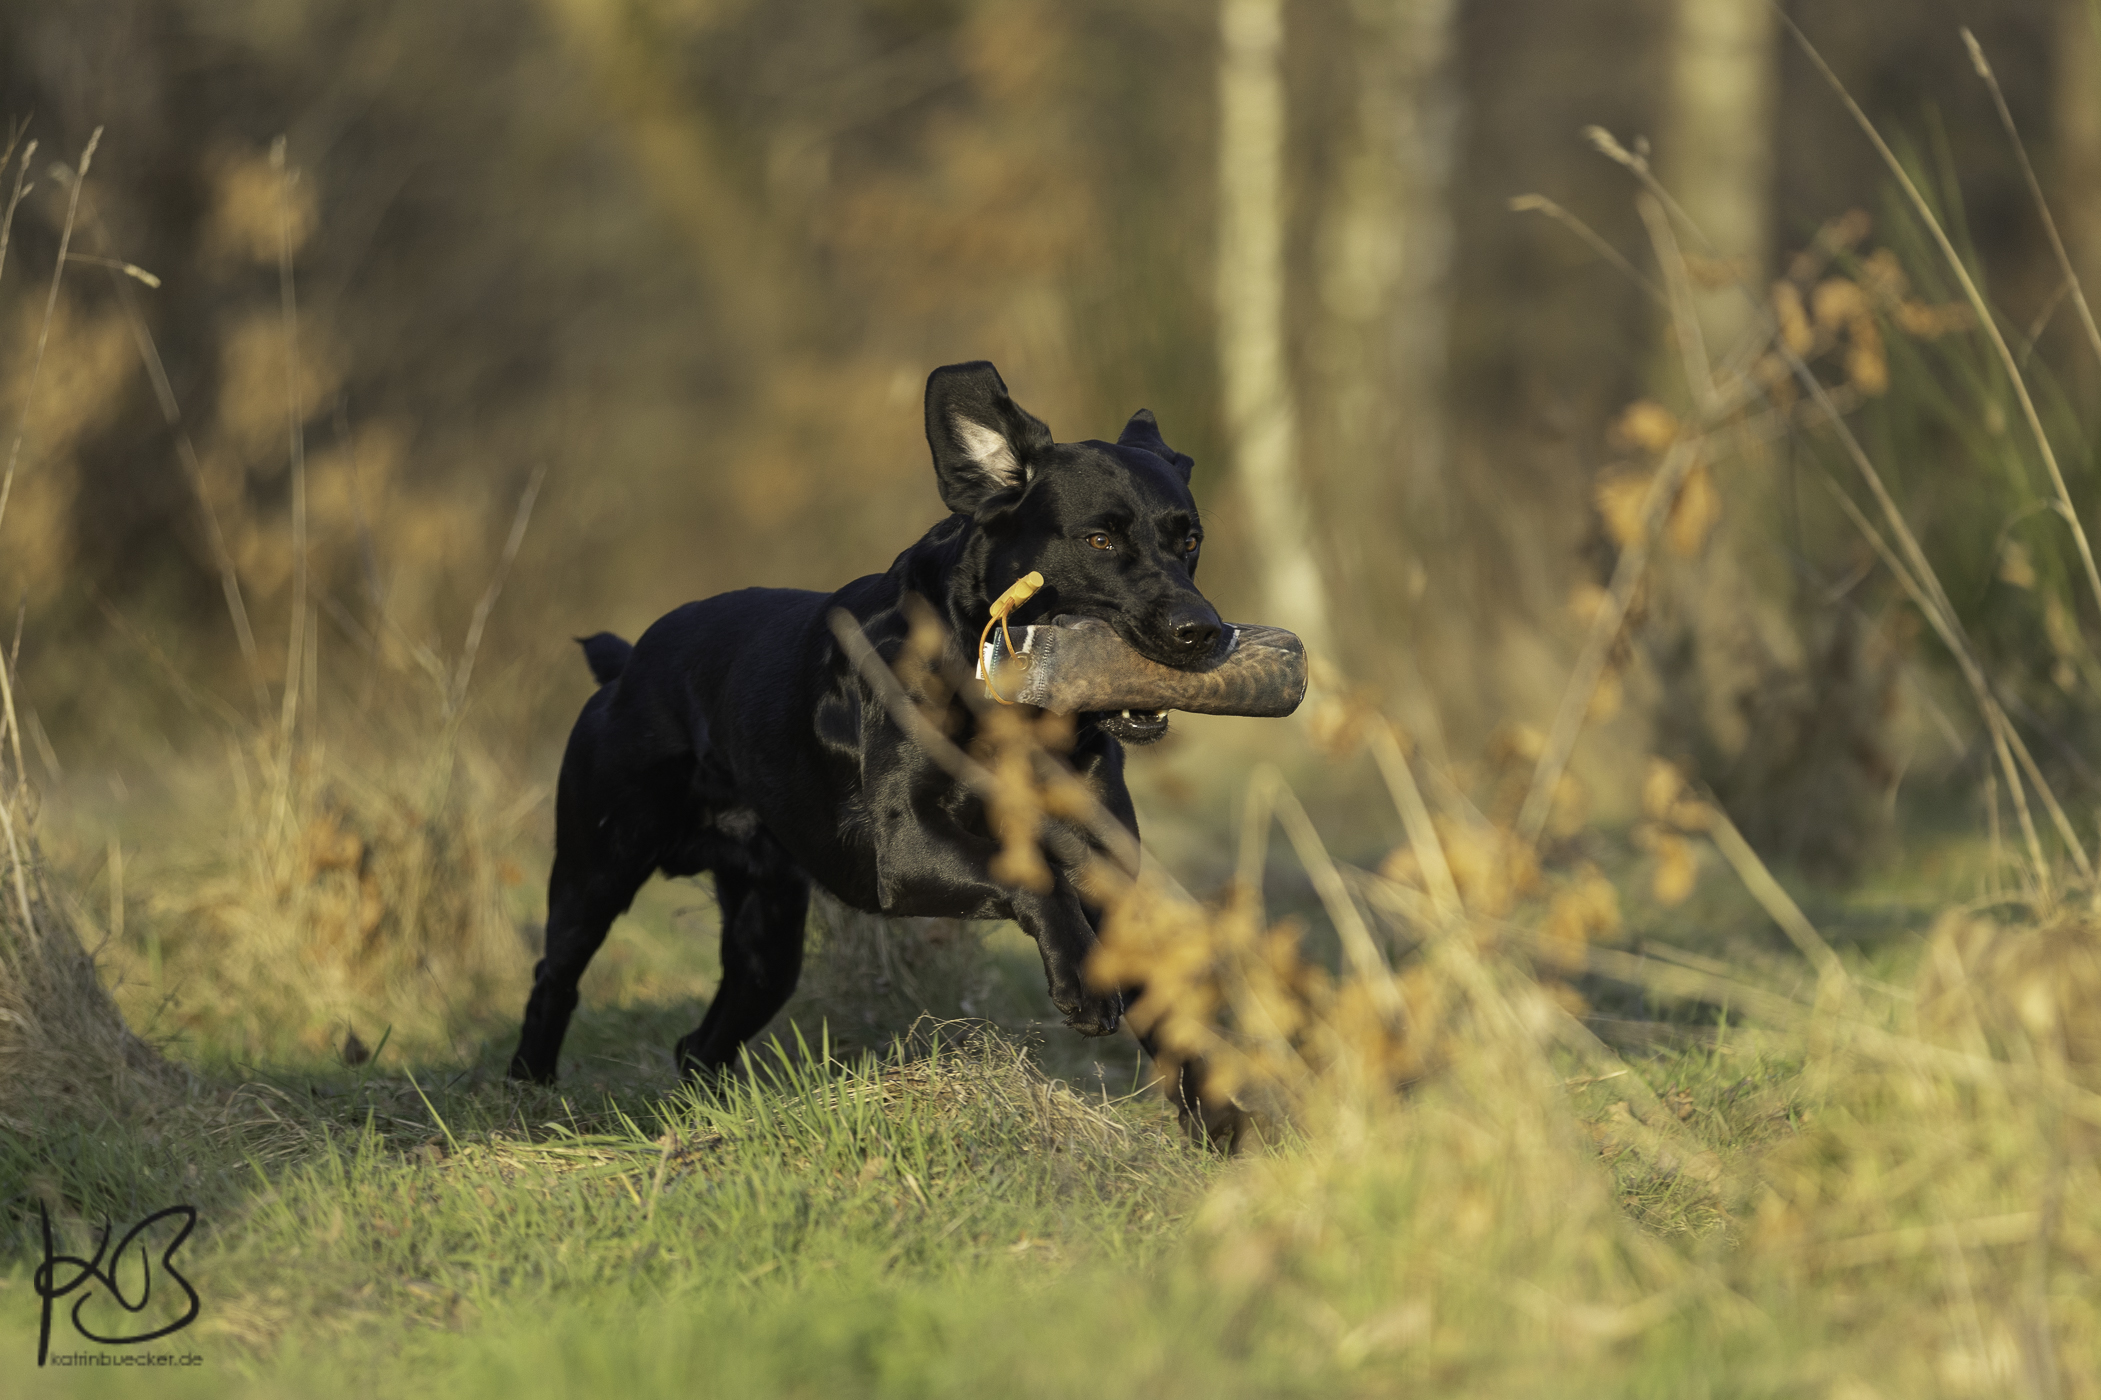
(1261, 412)
(1383, 270)
(1718, 154)
(688, 170)
(1775, 687)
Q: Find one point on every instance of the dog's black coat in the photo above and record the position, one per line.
(736, 737)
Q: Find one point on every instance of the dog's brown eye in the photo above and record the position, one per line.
(1189, 545)
(1098, 540)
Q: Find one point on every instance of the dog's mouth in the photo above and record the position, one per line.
(1153, 650)
(1132, 726)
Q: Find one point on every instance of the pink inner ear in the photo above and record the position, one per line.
(990, 450)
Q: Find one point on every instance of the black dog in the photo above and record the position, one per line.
(736, 736)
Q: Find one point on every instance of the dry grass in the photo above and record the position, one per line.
(65, 1050)
(367, 896)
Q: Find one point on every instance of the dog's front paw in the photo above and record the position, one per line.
(1093, 1013)
(525, 1071)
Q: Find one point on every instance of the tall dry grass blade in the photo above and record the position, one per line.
(14, 656)
(1692, 342)
(1941, 618)
(1608, 145)
(14, 455)
(295, 429)
(2035, 189)
(1983, 311)
(487, 604)
(43, 337)
(1712, 406)
(1920, 580)
(1253, 859)
(1595, 241)
(14, 857)
(1776, 901)
(1357, 945)
(193, 468)
(1415, 819)
(2058, 816)
(14, 200)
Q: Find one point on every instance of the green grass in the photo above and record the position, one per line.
(378, 1219)
(946, 1223)
(970, 1212)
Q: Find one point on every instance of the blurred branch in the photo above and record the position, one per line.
(458, 693)
(1540, 204)
(1113, 835)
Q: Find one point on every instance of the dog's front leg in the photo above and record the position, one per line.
(1064, 937)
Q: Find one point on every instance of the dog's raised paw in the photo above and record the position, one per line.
(1096, 1013)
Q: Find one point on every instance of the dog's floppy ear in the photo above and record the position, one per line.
(984, 443)
(1144, 434)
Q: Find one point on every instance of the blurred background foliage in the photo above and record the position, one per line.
(692, 259)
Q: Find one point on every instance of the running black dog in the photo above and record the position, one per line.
(736, 736)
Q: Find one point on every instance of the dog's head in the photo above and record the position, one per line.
(1111, 526)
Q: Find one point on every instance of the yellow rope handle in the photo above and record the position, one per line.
(1024, 588)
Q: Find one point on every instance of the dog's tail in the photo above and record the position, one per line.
(606, 655)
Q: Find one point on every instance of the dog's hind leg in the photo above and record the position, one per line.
(583, 899)
(763, 912)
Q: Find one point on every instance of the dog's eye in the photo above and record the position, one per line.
(1098, 540)
(1189, 545)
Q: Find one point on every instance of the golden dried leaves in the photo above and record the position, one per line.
(1339, 720)
(1007, 743)
(1671, 810)
(259, 210)
(1676, 873)
(1582, 912)
(1843, 314)
(1489, 864)
(1795, 331)
(1622, 497)
(1647, 425)
(1665, 798)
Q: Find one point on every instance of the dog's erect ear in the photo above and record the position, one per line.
(984, 443)
(1144, 434)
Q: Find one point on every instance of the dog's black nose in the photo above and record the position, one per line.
(1196, 635)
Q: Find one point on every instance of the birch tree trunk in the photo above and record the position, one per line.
(1384, 277)
(1717, 155)
(1261, 412)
